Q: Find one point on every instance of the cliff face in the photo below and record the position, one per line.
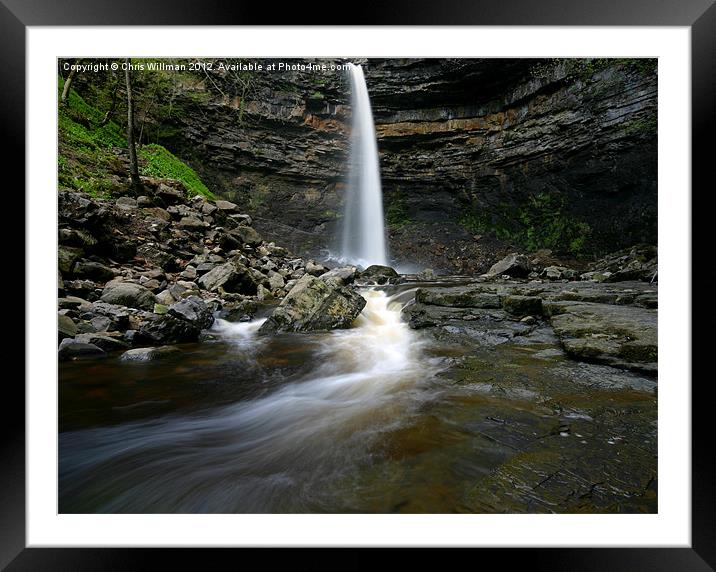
(476, 156)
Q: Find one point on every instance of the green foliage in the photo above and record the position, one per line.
(396, 211)
(82, 124)
(541, 222)
(86, 146)
(641, 126)
(162, 163)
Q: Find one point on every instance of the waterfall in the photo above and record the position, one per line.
(363, 228)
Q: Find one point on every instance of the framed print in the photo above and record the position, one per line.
(376, 285)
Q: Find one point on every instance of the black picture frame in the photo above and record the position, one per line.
(699, 15)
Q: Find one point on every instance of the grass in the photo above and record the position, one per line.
(163, 164)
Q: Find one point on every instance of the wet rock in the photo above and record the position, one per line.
(193, 310)
(117, 315)
(515, 265)
(231, 277)
(100, 324)
(559, 273)
(166, 329)
(150, 354)
(66, 327)
(459, 297)
(128, 294)
(71, 349)
(522, 305)
(93, 271)
(102, 341)
(314, 304)
(378, 274)
(342, 276)
(623, 336)
(315, 269)
(67, 256)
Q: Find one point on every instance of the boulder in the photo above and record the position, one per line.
(67, 256)
(166, 329)
(126, 203)
(150, 354)
(559, 273)
(71, 349)
(192, 223)
(515, 265)
(246, 235)
(154, 256)
(314, 304)
(169, 195)
(231, 277)
(102, 341)
(117, 315)
(128, 294)
(342, 276)
(193, 310)
(93, 271)
(378, 274)
(276, 281)
(315, 269)
(66, 327)
(226, 206)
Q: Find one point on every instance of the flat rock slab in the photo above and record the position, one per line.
(624, 336)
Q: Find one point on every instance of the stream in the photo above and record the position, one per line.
(377, 418)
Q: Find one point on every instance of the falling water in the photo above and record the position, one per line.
(363, 229)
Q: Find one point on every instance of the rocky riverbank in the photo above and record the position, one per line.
(156, 269)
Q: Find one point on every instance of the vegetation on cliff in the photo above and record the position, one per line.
(92, 147)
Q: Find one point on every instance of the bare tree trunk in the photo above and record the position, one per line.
(113, 104)
(68, 84)
(133, 165)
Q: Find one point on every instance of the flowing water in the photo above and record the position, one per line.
(376, 418)
(276, 452)
(363, 240)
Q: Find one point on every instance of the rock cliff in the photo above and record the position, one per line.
(476, 156)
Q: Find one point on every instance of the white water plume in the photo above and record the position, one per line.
(363, 227)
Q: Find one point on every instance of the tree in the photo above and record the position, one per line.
(68, 82)
(133, 164)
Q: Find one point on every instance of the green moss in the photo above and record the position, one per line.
(396, 211)
(161, 163)
(541, 222)
(641, 126)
